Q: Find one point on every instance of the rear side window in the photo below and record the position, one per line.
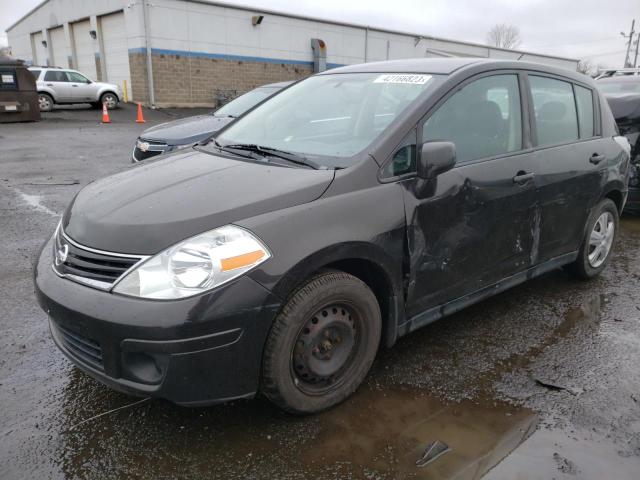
(483, 119)
(584, 101)
(35, 73)
(555, 111)
(55, 76)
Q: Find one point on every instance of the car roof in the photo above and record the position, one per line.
(410, 65)
(446, 66)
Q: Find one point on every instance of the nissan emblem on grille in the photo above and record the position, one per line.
(61, 254)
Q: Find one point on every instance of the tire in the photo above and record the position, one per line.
(589, 264)
(45, 102)
(322, 344)
(111, 99)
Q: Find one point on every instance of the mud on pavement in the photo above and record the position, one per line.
(545, 374)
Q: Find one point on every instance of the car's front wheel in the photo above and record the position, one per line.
(110, 99)
(322, 343)
(45, 102)
(597, 243)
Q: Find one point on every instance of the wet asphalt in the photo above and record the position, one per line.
(539, 382)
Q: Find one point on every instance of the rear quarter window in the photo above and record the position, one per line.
(35, 73)
(584, 101)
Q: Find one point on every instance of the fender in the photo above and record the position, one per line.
(367, 261)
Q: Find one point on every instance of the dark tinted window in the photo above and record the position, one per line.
(35, 73)
(403, 161)
(555, 110)
(55, 76)
(584, 100)
(483, 119)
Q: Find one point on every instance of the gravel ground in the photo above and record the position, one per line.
(545, 374)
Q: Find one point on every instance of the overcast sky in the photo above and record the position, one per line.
(572, 28)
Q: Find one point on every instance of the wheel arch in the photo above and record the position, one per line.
(364, 261)
(47, 92)
(105, 91)
(614, 192)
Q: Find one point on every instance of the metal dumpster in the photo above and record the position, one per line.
(18, 94)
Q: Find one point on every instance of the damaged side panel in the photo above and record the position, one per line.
(469, 228)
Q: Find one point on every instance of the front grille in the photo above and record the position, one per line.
(84, 348)
(151, 149)
(139, 155)
(89, 266)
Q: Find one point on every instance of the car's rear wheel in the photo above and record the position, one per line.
(322, 343)
(597, 244)
(110, 99)
(45, 102)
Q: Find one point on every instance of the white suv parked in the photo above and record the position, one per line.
(62, 86)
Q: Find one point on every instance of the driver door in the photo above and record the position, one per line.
(476, 224)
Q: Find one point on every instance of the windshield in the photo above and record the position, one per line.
(241, 104)
(328, 115)
(620, 86)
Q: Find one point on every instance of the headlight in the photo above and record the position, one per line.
(195, 265)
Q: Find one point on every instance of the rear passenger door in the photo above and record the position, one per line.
(571, 156)
(57, 80)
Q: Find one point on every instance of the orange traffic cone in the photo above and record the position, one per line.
(140, 118)
(105, 114)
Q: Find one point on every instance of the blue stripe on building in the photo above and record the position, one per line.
(224, 56)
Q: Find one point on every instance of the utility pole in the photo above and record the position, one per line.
(635, 60)
(627, 63)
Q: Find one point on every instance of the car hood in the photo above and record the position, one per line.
(625, 107)
(186, 130)
(150, 207)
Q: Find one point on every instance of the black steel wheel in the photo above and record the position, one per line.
(322, 344)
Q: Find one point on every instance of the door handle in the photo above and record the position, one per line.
(523, 177)
(596, 159)
(49, 84)
(74, 85)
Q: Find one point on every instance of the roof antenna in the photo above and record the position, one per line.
(521, 55)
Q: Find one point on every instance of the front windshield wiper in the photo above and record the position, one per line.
(273, 152)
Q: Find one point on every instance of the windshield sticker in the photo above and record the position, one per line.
(403, 78)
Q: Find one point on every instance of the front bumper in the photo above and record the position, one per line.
(196, 351)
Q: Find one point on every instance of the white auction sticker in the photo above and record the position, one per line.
(11, 108)
(7, 78)
(410, 78)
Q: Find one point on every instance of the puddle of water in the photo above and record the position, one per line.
(388, 432)
(377, 434)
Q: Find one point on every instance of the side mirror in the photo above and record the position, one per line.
(436, 158)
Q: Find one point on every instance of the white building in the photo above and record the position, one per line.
(200, 49)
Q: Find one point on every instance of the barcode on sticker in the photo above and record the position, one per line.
(403, 78)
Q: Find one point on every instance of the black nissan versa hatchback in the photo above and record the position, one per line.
(350, 209)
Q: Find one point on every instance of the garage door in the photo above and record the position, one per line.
(116, 51)
(39, 52)
(85, 60)
(59, 51)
